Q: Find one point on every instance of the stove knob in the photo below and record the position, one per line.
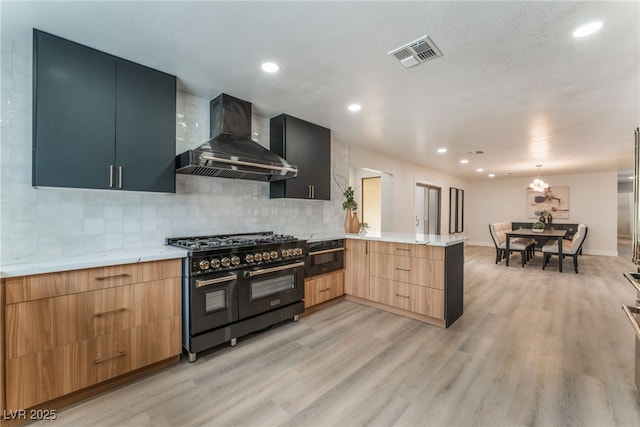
(225, 262)
(284, 253)
(266, 256)
(215, 263)
(274, 254)
(290, 252)
(258, 257)
(249, 258)
(235, 260)
(204, 264)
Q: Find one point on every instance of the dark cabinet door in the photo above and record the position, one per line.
(145, 128)
(74, 115)
(307, 146)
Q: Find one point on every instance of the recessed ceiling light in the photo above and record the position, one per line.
(270, 67)
(587, 29)
(492, 175)
(442, 150)
(354, 107)
(479, 170)
(464, 161)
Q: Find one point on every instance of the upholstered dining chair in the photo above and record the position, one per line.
(524, 246)
(572, 248)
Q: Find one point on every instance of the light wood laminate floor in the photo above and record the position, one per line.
(532, 348)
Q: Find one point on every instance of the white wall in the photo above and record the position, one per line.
(400, 199)
(49, 222)
(593, 201)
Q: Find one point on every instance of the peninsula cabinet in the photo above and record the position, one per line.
(307, 146)
(100, 121)
(67, 331)
(417, 280)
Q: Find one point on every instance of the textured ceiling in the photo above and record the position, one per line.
(512, 80)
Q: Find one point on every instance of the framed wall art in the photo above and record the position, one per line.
(554, 200)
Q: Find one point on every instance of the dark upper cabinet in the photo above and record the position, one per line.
(307, 146)
(100, 121)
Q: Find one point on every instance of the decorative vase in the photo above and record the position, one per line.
(354, 224)
(347, 221)
(542, 219)
(549, 218)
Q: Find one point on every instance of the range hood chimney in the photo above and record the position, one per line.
(230, 153)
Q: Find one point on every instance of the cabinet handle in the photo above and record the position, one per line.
(102, 313)
(324, 290)
(403, 296)
(308, 191)
(110, 176)
(313, 191)
(115, 276)
(402, 269)
(115, 356)
(119, 176)
(402, 249)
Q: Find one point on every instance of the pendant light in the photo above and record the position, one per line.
(538, 184)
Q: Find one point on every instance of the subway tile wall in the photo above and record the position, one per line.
(49, 223)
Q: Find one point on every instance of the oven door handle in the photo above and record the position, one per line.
(228, 278)
(273, 269)
(326, 251)
(627, 310)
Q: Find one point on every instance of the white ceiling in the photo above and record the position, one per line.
(512, 80)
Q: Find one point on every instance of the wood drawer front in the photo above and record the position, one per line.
(28, 288)
(405, 296)
(323, 288)
(408, 249)
(44, 324)
(39, 377)
(417, 271)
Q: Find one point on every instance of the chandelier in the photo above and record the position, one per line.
(538, 184)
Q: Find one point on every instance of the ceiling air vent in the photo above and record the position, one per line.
(416, 52)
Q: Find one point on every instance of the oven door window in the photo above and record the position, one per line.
(322, 259)
(266, 287)
(215, 300)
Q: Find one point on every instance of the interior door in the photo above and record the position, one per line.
(427, 209)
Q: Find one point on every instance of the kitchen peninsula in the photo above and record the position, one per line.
(418, 276)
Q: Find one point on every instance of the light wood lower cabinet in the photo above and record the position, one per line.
(408, 278)
(60, 344)
(322, 288)
(356, 269)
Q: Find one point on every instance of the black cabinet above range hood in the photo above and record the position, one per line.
(231, 153)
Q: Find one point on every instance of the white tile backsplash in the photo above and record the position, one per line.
(50, 222)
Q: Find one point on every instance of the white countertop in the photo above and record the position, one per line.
(419, 239)
(319, 237)
(29, 266)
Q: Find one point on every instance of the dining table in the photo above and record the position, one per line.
(527, 232)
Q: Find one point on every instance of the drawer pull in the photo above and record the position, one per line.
(324, 290)
(402, 269)
(115, 276)
(403, 296)
(102, 313)
(403, 249)
(115, 356)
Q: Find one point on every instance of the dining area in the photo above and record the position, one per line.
(554, 243)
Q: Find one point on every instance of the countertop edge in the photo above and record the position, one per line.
(410, 239)
(100, 259)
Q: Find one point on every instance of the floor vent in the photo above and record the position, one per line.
(416, 52)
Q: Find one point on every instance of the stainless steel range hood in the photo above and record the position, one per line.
(231, 153)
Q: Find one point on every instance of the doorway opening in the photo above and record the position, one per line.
(372, 202)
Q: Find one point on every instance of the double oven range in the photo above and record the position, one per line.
(234, 285)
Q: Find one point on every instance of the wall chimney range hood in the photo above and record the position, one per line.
(231, 153)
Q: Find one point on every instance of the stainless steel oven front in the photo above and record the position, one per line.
(262, 289)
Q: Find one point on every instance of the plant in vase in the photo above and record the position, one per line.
(351, 223)
(538, 227)
(542, 215)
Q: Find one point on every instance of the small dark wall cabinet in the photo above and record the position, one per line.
(307, 146)
(100, 121)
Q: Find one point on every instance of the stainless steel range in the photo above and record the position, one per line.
(237, 284)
